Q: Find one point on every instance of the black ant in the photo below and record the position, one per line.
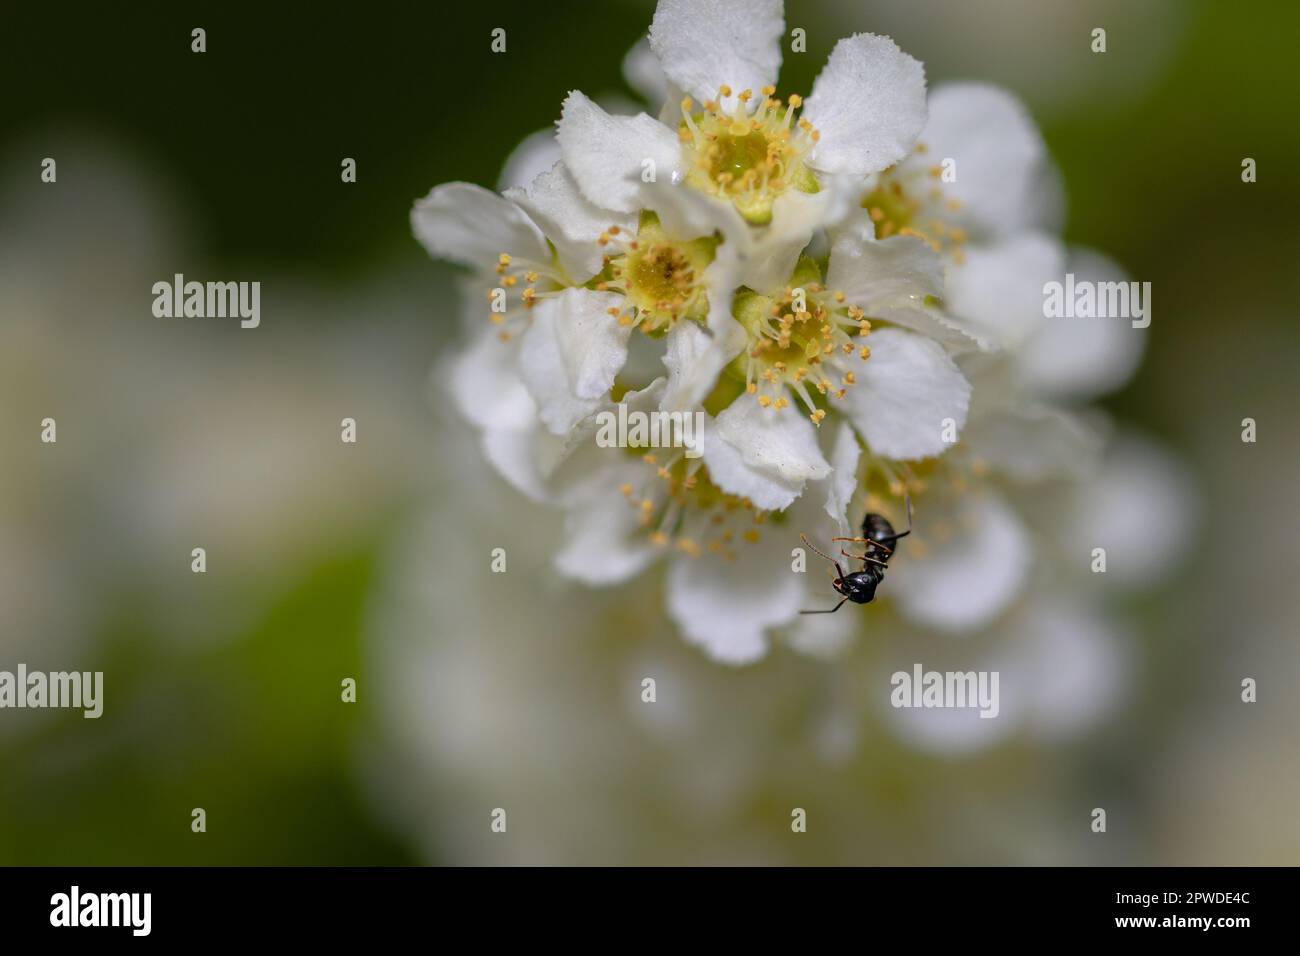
(860, 586)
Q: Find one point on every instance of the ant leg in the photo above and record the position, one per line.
(863, 557)
(902, 534)
(883, 547)
(838, 569)
(831, 611)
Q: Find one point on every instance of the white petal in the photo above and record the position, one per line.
(905, 394)
(901, 269)
(1072, 668)
(765, 455)
(570, 355)
(694, 358)
(643, 73)
(768, 256)
(868, 104)
(604, 541)
(473, 226)
(779, 442)
(968, 577)
(844, 477)
(725, 606)
(998, 290)
(948, 731)
(583, 471)
(571, 223)
(704, 44)
(1032, 442)
(933, 322)
(824, 636)
(519, 453)
(729, 471)
(534, 155)
(998, 152)
(686, 213)
(484, 383)
(1083, 358)
(721, 280)
(607, 154)
(1141, 508)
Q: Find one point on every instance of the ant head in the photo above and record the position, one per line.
(859, 587)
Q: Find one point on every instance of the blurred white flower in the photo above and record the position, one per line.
(173, 435)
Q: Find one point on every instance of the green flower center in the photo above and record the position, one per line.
(908, 200)
(748, 159)
(800, 341)
(661, 278)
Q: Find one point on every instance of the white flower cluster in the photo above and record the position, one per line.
(847, 286)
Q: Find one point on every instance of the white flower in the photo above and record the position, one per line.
(730, 582)
(981, 189)
(565, 344)
(735, 160)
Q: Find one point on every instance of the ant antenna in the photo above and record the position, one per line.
(804, 539)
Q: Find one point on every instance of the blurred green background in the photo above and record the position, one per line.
(224, 694)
